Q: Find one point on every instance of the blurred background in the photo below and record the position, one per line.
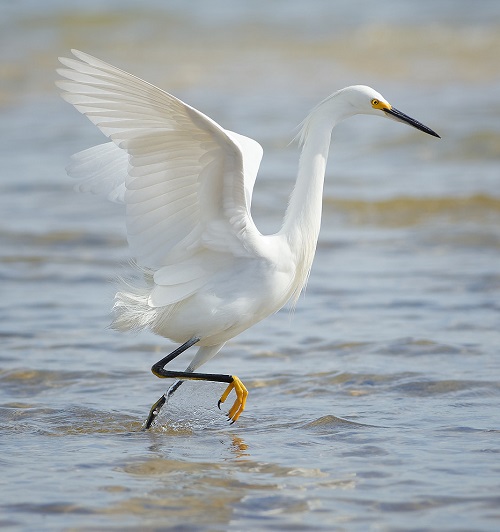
(257, 68)
(399, 325)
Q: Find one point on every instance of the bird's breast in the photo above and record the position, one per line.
(232, 302)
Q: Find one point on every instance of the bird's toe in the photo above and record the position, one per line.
(241, 398)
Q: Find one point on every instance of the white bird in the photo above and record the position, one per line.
(186, 183)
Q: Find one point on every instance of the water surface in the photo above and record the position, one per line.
(374, 404)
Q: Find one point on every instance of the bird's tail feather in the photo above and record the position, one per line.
(132, 311)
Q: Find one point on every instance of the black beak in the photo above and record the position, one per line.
(401, 117)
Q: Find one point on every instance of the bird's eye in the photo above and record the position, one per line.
(375, 102)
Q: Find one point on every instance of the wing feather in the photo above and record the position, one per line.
(188, 182)
(157, 201)
(176, 172)
(100, 170)
(165, 215)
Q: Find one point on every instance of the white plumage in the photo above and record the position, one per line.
(187, 184)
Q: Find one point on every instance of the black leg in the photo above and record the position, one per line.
(155, 410)
(173, 388)
(174, 354)
(159, 370)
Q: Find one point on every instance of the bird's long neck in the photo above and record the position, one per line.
(302, 221)
(303, 215)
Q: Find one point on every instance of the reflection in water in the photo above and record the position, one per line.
(239, 447)
(226, 490)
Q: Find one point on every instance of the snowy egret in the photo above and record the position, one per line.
(208, 273)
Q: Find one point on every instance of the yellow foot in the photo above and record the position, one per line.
(241, 398)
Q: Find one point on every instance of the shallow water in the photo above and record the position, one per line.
(374, 404)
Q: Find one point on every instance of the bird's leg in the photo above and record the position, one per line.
(234, 383)
(155, 409)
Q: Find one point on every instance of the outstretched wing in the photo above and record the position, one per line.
(186, 193)
(185, 177)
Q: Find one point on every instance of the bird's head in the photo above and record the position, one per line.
(365, 100)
